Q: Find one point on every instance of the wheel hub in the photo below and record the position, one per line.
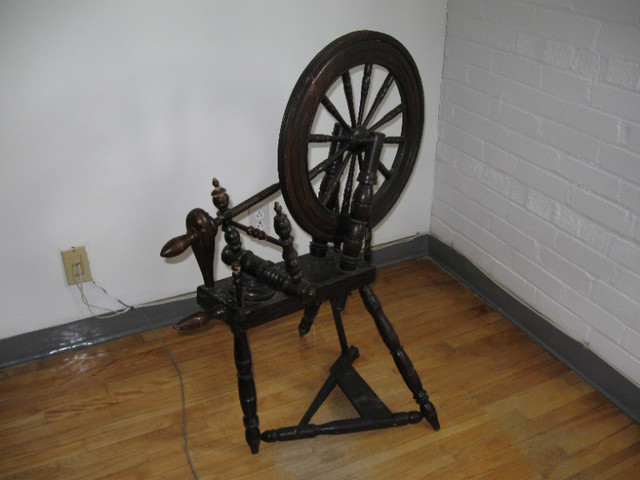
(358, 139)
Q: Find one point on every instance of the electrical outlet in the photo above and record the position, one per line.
(76, 265)
(259, 218)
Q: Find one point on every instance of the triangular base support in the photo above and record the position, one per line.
(374, 414)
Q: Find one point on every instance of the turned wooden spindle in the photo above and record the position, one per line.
(231, 252)
(330, 184)
(282, 226)
(270, 275)
(246, 389)
(329, 187)
(368, 254)
(361, 204)
(236, 272)
(179, 244)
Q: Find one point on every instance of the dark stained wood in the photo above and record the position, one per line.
(246, 389)
(400, 357)
(200, 236)
(282, 226)
(260, 291)
(323, 273)
(374, 53)
(361, 204)
(197, 320)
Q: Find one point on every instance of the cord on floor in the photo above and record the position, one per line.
(112, 314)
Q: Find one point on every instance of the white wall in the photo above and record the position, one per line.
(538, 162)
(115, 115)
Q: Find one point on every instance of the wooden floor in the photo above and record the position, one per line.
(508, 409)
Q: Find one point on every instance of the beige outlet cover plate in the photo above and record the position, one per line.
(76, 265)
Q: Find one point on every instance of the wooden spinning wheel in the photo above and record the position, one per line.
(360, 84)
(348, 142)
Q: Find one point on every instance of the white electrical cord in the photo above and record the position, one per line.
(78, 273)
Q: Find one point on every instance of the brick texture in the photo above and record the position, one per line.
(538, 160)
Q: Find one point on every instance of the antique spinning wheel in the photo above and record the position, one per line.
(362, 83)
(348, 142)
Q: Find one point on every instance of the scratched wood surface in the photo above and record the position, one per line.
(508, 409)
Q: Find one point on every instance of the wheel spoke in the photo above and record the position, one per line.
(348, 187)
(334, 111)
(386, 173)
(364, 91)
(389, 116)
(334, 182)
(322, 138)
(393, 139)
(318, 169)
(379, 97)
(348, 92)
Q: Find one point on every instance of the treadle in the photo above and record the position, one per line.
(374, 414)
(359, 393)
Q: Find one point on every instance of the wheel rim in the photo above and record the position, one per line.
(361, 83)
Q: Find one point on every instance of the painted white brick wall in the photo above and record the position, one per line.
(538, 162)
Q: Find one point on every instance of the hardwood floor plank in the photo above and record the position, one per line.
(626, 474)
(622, 461)
(596, 453)
(508, 408)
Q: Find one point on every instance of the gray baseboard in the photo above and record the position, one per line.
(591, 368)
(91, 330)
(401, 251)
(617, 388)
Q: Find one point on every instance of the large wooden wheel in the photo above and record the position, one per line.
(362, 83)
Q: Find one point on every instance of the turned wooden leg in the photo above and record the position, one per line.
(309, 315)
(337, 307)
(400, 357)
(246, 389)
